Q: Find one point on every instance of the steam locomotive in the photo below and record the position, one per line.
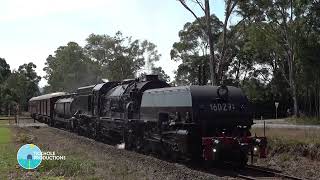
(208, 123)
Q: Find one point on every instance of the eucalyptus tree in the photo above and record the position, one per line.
(4, 74)
(218, 64)
(69, 68)
(121, 57)
(278, 26)
(22, 85)
(192, 50)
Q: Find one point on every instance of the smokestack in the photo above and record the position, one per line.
(152, 77)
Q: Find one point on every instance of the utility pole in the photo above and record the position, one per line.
(210, 41)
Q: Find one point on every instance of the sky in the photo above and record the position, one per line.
(33, 29)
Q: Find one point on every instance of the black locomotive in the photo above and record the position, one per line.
(187, 122)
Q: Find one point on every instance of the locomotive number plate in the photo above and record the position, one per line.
(224, 107)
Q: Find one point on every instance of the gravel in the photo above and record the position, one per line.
(110, 162)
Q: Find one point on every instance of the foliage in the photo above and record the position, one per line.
(282, 34)
(113, 58)
(69, 68)
(192, 51)
(4, 74)
(271, 53)
(4, 70)
(121, 57)
(18, 86)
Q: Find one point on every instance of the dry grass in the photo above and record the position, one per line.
(306, 136)
(295, 142)
(294, 151)
(304, 120)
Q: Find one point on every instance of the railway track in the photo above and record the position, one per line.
(250, 172)
(255, 172)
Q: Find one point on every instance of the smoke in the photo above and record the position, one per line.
(121, 146)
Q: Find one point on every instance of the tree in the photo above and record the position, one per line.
(22, 85)
(280, 24)
(218, 65)
(4, 70)
(4, 74)
(192, 51)
(69, 68)
(121, 57)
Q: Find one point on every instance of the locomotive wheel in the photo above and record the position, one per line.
(139, 145)
(50, 123)
(53, 123)
(95, 132)
(92, 129)
(128, 139)
(78, 130)
(71, 125)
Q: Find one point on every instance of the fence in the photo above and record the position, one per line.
(17, 119)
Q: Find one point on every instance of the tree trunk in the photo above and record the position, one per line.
(295, 100)
(319, 104)
(310, 101)
(222, 59)
(292, 83)
(210, 40)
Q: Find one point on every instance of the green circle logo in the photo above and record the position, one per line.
(29, 156)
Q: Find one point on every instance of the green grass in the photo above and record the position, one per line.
(76, 166)
(5, 135)
(73, 166)
(7, 152)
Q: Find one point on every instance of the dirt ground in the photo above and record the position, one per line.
(88, 159)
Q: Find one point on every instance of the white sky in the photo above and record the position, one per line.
(30, 30)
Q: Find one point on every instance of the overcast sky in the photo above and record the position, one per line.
(31, 30)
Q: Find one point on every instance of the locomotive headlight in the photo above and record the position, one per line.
(214, 150)
(222, 91)
(255, 149)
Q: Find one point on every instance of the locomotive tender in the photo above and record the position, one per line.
(210, 123)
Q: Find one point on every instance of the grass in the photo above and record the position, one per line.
(297, 142)
(71, 167)
(304, 120)
(7, 152)
(297, 135)
(3, 122)
(294, 151)
(75, 166)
